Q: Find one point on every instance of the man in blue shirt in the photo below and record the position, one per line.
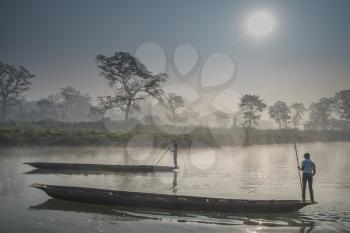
(309, 170)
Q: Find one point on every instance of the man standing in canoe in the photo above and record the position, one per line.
(309, 170)
(174, 150)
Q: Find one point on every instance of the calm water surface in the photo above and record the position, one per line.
(257, 172)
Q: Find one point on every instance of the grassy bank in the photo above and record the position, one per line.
(95, 133)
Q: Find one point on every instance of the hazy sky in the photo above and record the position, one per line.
(305, 57)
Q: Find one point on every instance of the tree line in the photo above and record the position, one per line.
(132, 83)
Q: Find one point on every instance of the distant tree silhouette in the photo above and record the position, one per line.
(75, 104)
(13, 83)
(47, 108)
(172, 103)
(298, 110)
(280, 113)
(130, 80)
(342, 104)
(251, 107)
(95, 114)
(222, 118)
(321, 113)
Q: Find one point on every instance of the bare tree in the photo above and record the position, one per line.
(130, 80)
(280, 113)
(13, 82)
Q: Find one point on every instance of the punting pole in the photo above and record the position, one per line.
(173, 139)
(296, 155)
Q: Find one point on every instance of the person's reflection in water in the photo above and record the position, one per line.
(306, 224)
(307, 229)
(174, 187)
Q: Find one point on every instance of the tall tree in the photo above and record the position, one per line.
(172, 103)
(13, 83)
(280, 113)
(130, 80)
(321, 113)
(251, 107)
(342, 104)
(298, 110)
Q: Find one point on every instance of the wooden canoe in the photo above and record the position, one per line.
(100, 167)
(170, 202)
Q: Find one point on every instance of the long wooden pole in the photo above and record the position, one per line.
(166, 150)
(296, 155)
(172, 140)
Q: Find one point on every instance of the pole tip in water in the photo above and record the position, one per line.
(39, 186)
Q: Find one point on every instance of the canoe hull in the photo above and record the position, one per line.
(170, 202)
(100, 167)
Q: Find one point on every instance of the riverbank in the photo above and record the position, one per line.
(96, 133)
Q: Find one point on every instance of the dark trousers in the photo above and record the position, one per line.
(175, 159)
(307, 178)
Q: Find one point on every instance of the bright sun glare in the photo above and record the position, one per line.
(260, 24)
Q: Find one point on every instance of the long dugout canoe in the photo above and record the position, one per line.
(170, 202)
(100, 167)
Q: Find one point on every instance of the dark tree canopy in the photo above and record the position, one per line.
(251, 106)
(130, 80)
(13, 83)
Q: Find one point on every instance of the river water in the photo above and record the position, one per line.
(256, 172)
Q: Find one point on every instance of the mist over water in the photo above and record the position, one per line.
(256, 172)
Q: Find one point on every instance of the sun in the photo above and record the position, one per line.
(260, 24)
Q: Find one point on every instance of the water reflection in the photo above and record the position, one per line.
(306, 229)
(294, 220)
(174, 187)
(257, 172)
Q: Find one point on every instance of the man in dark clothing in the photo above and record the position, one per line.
(174, 150)
(309, 170)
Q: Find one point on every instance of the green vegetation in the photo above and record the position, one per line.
(94, 133)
